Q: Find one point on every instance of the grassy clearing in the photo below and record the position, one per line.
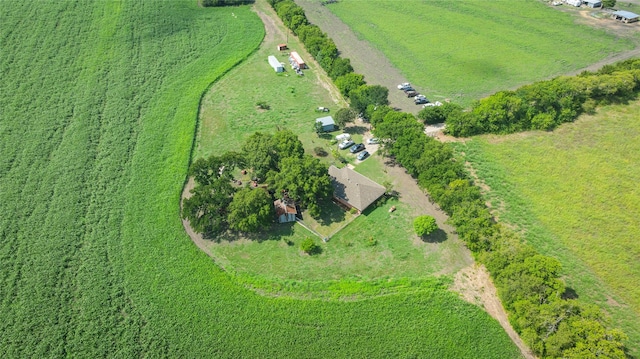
(97, 119)
(574, 193)
(464, 50)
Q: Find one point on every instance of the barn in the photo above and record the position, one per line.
(275, 64)
(625, 16)
(296, 60)
(328, 124)
(282, 47)
(593, 3)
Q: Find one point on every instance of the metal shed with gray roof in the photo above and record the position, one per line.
(625, 16)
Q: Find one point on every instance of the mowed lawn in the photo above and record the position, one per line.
(464, 50)
(575, 193)
(377, 244)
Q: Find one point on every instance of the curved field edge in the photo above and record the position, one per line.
(557, 188)
(102, 265)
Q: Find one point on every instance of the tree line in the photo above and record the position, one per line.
(210, 3)
(529, 284)
(219, 203)
(325, 52)
(543, 105)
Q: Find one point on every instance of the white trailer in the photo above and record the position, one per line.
(277, 66)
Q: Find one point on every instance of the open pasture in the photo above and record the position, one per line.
(465, 50)
(574, 193)
(98, 109)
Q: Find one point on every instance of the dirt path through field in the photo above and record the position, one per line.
(472, 282)
(365, 58)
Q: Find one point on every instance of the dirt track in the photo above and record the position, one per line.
(472, 282)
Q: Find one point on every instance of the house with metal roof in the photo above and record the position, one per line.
(328, 124)
(593, 3)
(624, 16)
(353, 189)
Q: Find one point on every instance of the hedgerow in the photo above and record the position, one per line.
(544, 105)
(528, 283)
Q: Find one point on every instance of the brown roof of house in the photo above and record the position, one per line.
(358, 190)
(284, 207)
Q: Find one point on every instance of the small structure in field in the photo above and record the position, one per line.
(352, 189)
(296, 61)
(625, 16)
(328, 124)
(593, 3)
(576, 3)
(285, 210)
(277, 66)
(282, 47)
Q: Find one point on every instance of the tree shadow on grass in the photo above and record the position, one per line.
(357, 129)
(569, 293)
(275, 232)
(437, 236)
(330, 213)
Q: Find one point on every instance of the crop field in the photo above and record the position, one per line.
(98, 106)
(465, 50)
(574, 192)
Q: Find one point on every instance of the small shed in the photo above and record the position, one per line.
(282, 47)
(296, 60)
(285, 210)
(625, 16)
(576, 3)
(328, 124)
(275, 64)
(593, 3)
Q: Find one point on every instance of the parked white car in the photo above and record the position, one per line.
(404, 85)
(343, 137)
(346, 144)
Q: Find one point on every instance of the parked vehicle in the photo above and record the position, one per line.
(357, 148)
(343, 137)
(322, 109)
(411, 93)
(373, 141)
(346, 144)
(404, 85)
(420, 99)
(362, 155)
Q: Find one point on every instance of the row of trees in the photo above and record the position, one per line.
(208, 3)
(528, 283)
(324, 50)
(542, 105)
(216, 205)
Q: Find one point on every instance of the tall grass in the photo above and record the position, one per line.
(573, 193)
(98, 109)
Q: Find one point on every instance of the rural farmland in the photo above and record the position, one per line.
(98, 114)
(574, 194)
(464, 50)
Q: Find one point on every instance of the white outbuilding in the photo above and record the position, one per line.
(277, 65)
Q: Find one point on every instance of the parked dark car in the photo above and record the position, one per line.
(411, 93)
(420, 100)
(362, 155)
(357, 148)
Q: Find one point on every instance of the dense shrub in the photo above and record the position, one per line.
(424, 225)
(543, 105)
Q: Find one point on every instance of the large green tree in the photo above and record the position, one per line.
(287, 144)
(260, 154)
(366, 95)
(305, 179)
(250, 210)
(206, 209)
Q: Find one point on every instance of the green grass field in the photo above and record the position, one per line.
(98, 109)
(574, 192)
(464, 50)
